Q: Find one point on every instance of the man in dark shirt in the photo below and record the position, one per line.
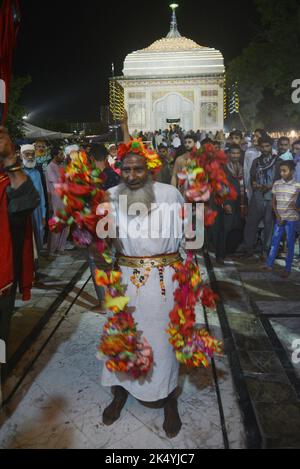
(18, 198)
(264, 172)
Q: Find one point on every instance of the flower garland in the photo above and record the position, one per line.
(81, 191)
(193, 346)
(123, 347)
(205, 179)
(126, 350)
(137, 147)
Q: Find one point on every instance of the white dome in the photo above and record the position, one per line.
(174, 57)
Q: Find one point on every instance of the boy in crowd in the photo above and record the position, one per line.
(285, 195)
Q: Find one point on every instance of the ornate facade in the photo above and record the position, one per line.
(174, 80)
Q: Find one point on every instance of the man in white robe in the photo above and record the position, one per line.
(151, 306)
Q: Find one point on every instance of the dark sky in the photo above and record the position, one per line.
(67, 47)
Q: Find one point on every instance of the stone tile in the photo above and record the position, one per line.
(288, 332)
(260, 363)
(197, 431)
(270, 388)
(143, 438)
(279, 307)
(36, 422)
(248, 333)
(280, 423)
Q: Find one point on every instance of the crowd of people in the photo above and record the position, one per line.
(265, 175)
(245, 226)
(256, 166)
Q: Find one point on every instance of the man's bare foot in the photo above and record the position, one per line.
(113, 412)
(267, 269)
(285, 274)
(172, 424)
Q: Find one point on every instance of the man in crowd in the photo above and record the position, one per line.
(226, 233)
(165, 174)
(152, 305)
(42, 155)
(236, 138)
(182, 161)
(112, 157)
(99, 156)
(252, 154)
(284, 149)
(57, 241)
(39, 214)
(235, 211)
(264, 172)
(296, 148)
(18, 198)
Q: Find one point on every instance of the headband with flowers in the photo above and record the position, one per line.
(137, 147)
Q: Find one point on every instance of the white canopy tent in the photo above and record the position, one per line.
(33, 132)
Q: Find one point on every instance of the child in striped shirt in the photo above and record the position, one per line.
(285, 195)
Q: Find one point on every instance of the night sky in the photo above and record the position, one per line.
(68, 47)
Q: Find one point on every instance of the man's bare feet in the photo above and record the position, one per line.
(172, 424)
(113, 412)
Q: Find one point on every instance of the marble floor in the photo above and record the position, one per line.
(263, 315)
(57, 399)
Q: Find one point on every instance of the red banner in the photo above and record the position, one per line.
(9, 25)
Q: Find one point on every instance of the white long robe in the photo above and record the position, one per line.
(152, 309)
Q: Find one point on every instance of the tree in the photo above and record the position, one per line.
(16, 111)
(267, 67)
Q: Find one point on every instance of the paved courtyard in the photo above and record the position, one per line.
(248, 398)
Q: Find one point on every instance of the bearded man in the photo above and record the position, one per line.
(146, 263)
(39, 214)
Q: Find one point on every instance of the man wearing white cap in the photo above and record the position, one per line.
(112, 150)
(39, 214)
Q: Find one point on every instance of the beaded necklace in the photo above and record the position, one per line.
(140, 279)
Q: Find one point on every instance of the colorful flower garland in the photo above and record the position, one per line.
(204, 179)
(136, 146)
(129, 353)
(125, 350)
(121, 344)
(81, 191)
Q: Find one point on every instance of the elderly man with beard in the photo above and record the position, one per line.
(18, 198)
(39, 215)
(146, 263)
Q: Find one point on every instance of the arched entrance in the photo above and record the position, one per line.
(173, 107)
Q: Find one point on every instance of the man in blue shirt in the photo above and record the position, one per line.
(39, 214)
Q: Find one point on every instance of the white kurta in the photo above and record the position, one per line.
(152, 309)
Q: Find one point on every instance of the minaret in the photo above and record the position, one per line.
(174, 29)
